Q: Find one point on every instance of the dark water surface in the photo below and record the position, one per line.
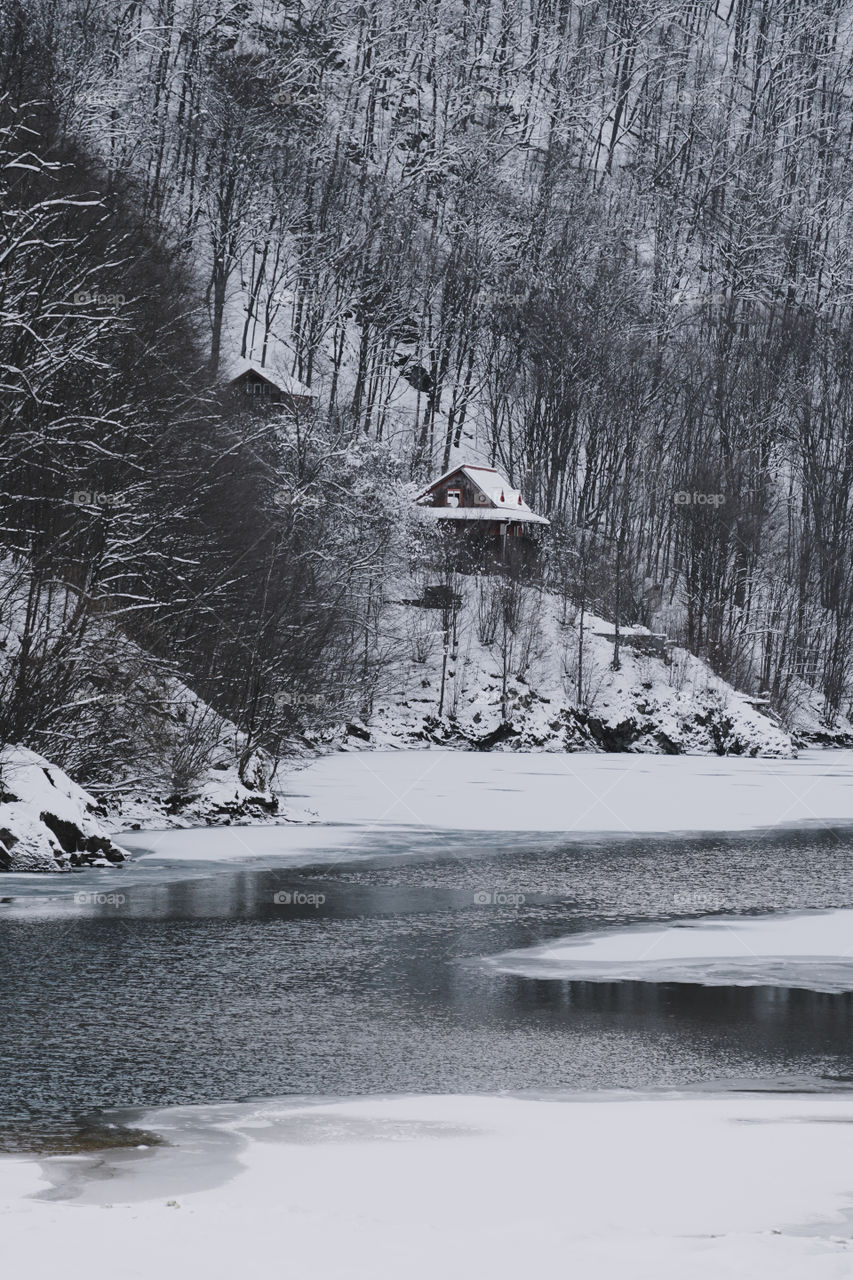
(200, 987)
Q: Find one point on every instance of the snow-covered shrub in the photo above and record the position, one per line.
(191, 744)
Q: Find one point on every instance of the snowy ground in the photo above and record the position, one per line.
(375, 1189)
(652, 704)
(576, 792)
(812, 950)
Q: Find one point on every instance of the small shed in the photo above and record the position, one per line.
(650, 644)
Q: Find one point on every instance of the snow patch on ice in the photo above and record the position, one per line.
(574, 792)
(813, 950)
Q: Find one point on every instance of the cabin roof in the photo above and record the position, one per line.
(288, 385)
(505, 502)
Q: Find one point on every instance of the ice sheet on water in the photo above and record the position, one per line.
(576, 792)
(812, 950)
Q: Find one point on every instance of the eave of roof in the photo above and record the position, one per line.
(503, 515)
(452, 472)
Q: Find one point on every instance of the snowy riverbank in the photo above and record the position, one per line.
(378, 1188)
(552, 687)
(575, 794)
(351, 798)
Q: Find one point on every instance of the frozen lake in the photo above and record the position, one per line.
(362, 965)
(421, 1038)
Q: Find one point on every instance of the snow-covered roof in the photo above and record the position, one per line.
(288, 385)
(506, 503)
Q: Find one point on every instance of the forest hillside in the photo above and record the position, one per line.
(603, 246)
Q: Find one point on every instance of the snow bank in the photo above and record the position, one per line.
(574, 792)
(457, 1187)
(660, 701)
(219, 796)
(47, 822)
(814, 950)
(192, 771)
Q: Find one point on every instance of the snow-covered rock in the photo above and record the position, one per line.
(255, 771)
(48, 822)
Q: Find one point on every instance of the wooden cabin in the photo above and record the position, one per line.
(264, 387)
(487, 518)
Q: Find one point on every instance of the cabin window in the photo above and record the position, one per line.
(454, 498)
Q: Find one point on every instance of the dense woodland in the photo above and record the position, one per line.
(604, 245)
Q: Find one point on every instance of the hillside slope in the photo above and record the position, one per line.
(517, 688)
